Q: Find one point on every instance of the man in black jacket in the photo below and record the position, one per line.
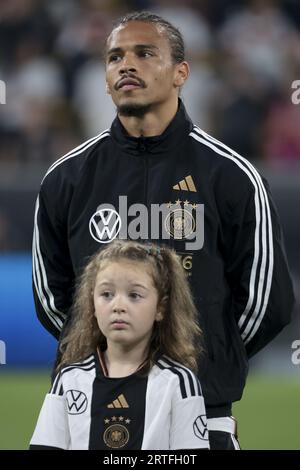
(155, 175)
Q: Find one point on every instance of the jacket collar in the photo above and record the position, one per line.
(180, 125)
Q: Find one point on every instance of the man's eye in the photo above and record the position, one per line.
(113, 58)
(145, 54)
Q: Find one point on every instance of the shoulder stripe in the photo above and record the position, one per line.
(56, 384)
(86, 367)
(189, 384)
(87, 364)
(40, 280)
(88, 360)
(180, 376)
(57, 387)
(186, 372)
(192, 376)
(77, 151)
(263, 260)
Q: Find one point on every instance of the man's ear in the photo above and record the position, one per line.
(107, 89)
(182, 74)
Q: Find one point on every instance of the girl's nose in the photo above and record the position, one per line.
(118, 309)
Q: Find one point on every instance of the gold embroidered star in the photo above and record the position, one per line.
(178, 201)
(114, 418)
(194, 206)
(186, 202)
(127, 421)
(121, 418)
(106, 421)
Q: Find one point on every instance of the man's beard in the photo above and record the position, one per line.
(133, 110)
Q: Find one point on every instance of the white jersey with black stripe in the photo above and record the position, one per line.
(87, 410)
(175, 415)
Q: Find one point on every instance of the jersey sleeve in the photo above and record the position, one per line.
(188, 417)
(52, 429)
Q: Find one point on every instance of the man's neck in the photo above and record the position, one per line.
(152, 123)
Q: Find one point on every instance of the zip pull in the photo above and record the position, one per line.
(142, 144)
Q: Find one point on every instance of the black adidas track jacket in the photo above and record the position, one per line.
(239, 277)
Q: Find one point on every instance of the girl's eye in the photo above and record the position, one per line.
(106, 294)
(134, 295)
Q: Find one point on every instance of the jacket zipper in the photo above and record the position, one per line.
(146, 171)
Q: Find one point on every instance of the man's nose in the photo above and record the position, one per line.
(128, 65)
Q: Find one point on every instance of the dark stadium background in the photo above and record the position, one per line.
(240, 91)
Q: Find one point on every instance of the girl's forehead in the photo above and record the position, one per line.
(126, 267)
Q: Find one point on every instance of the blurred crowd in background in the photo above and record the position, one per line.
(244, 57)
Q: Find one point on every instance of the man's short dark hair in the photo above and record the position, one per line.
(173, 34)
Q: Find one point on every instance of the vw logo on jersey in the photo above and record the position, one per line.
(105, 225)
(76, 402)
(200, 427)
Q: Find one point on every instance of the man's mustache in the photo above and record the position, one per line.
(140, 82)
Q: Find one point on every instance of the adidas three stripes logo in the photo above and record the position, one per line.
(187, 184)
(120, 402)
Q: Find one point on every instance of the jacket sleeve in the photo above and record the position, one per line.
(256, 264)
(53, 276)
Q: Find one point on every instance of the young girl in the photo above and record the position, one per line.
(125, 379)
